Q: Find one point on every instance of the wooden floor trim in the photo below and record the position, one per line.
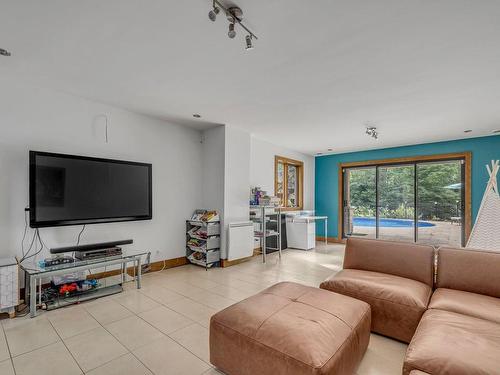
(321, 239)
(155, 266)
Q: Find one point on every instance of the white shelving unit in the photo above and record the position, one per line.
(203, 242)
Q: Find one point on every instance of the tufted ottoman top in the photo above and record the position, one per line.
(290, 329)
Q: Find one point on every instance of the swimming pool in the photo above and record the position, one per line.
(389, 223)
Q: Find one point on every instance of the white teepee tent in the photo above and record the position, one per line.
(486, 231)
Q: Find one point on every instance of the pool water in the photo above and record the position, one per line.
(389, 223)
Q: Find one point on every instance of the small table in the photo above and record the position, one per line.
(34, 274)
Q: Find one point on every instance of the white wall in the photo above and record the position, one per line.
(213, 172)
(38, 119)
(262, 168)
(213, 169)
(236, 180)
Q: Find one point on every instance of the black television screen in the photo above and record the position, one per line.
(70, 190)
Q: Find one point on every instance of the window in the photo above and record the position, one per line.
(289, 182)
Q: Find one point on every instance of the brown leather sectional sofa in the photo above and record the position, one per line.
(452, 324)
(396, 279)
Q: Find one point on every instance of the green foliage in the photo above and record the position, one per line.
(363, 211)
(396, 191)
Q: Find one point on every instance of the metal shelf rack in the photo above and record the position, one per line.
(263, 219)
(203, 243)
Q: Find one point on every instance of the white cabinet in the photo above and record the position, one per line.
(301, 234)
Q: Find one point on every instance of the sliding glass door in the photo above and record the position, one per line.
(440, 202)
(419, 201)
(396, 202)
(360, 205)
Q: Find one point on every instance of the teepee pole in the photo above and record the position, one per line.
(491, 185)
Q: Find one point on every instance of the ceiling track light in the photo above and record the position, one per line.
(4, 52)
(234, 16)
(372, 132)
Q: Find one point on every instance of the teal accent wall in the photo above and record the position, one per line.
(484, 149)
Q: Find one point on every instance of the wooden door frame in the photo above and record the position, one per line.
(466, 156)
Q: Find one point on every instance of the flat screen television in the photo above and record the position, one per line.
(71, 190)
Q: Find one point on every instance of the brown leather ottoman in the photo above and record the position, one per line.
(290, 329)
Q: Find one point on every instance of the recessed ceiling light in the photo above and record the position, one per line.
(196, 115)
(319, 153)
(468, 131)
(4, 52)
(330, 149)
(496, 131)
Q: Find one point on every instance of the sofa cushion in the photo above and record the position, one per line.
(402, 259)
(290, 329)
(455, 271)
(466, 303)
(397, 303)
(447, 343)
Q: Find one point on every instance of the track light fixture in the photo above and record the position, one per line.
(234, 16)
(372, 132)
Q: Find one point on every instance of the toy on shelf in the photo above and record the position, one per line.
(259, 197)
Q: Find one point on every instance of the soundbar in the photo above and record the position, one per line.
(89, 247)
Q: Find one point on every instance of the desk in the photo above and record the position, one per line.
(35, 274)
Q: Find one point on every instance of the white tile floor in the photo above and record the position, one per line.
(162, 329)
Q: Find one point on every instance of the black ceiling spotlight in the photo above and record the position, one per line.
(231, 33)
(248, 40)
(234, 15)
(196, 115)
(4, 52)
(212, 15)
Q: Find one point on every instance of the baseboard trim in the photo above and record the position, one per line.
(155, 266)
(228, 263)
(330, 239)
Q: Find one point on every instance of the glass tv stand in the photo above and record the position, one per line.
(35, 275)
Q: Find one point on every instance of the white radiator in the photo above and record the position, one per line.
(9, 287)
(240, 241)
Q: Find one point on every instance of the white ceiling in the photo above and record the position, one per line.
(419, 70)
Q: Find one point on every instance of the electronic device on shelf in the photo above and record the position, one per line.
(58, 260)
(95, 250)
(90, 247)
(99, 253)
